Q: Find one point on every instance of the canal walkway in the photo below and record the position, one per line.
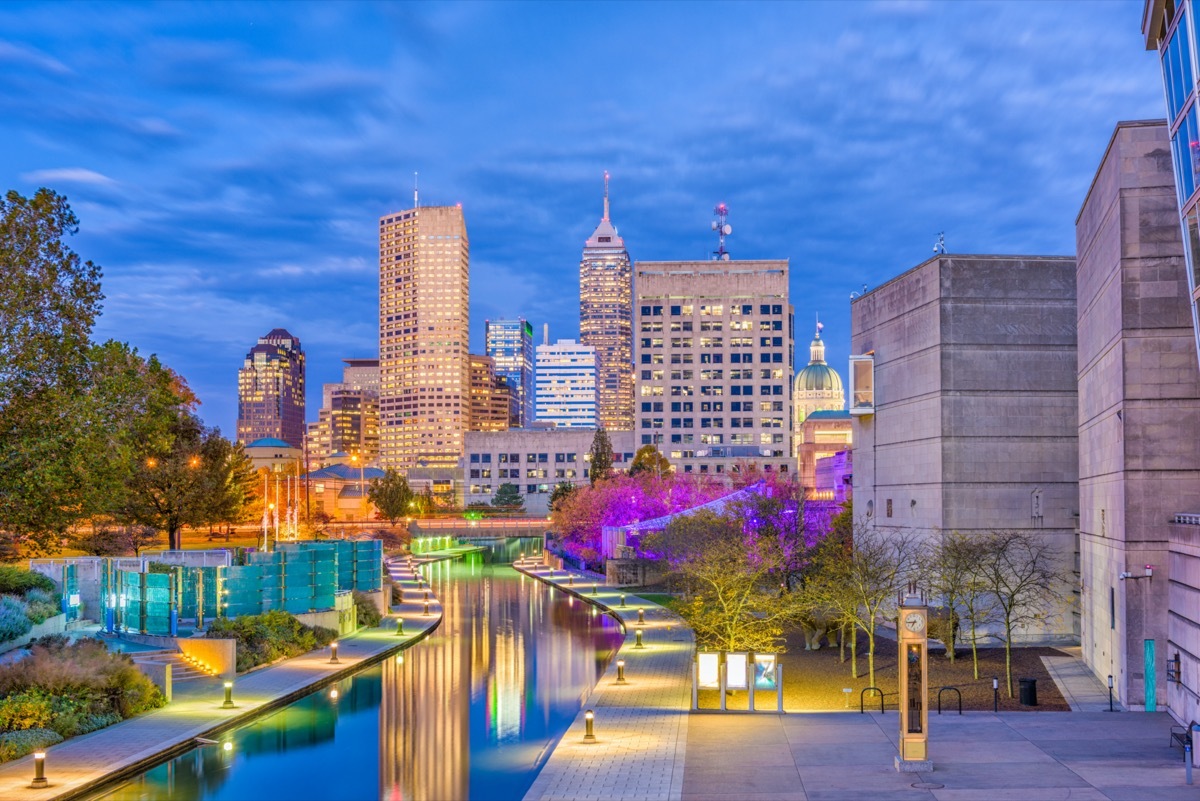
(641, 727)
(80, 764)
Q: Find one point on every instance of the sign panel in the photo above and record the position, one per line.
(764, 671)
(735, 671)
(709, 671)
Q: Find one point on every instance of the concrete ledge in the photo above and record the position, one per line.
(51, 625)
(218, 654)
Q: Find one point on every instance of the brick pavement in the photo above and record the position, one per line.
(642, 726)
(81, 763)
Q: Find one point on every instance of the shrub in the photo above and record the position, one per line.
(31, 709)
(269, 636)
(14, 622)
(40, 605)
(18, 581)
(16, 744)
(368, 613)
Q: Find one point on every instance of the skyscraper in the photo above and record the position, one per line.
(565, 379)
(606, 319)
(349, 418)
(510, 345)
(271, 390)
(489, 396)
(423, 326)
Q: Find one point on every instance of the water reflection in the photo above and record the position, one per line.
(467, 714)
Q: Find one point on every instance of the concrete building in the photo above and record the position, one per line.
(714, 363)
(348, 421)
(817, 387)
(358, 374)
(271, 390)
(822, 434)
(605, 319)
(489, 397)
(340, 491)
(835, 477)
(565, 385)
(974, 420)
(273, 454)
(535, 460)
(509, 343)
(1138, 390)
(424, 401)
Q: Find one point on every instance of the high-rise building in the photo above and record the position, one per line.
(606, 319)
(348, 422)
(357, 374)
(714, 359)
(489, 397)
(423, 328)
(510, 345)
(271, 390)
(565, 384)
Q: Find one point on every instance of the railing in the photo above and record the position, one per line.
(1188, 519)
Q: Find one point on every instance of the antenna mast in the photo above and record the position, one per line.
(416, 203)
(723, 228)
(606, 194)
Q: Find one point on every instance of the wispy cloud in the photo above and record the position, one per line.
(67, 175)
(31, 57)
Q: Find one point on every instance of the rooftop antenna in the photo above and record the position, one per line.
(723, 228)
(416, 203)
(940, 245)
(606, 194)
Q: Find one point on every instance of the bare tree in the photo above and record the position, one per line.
(953, 580)
(1023, 574)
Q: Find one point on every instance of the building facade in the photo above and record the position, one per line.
(271, 391)
(714, 363)
(424, 401)
(823, 434)
(817, 387)
(489, 397)
(348, 421)
(606, 319)
(974, 426)
(535, 461)
(509, 343)
(565, 385)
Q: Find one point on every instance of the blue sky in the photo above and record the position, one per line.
(229, 162)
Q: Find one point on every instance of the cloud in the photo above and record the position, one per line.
(30, 57)
(67, 175)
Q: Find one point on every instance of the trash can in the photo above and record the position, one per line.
(1028, 692)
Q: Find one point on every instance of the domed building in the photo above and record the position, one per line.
(818, 386)
(822, 426)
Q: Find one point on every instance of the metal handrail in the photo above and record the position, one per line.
(956, 692)
(862, 702)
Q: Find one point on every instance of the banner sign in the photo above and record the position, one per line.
(764, 671)
(709, 670)
(735, 671)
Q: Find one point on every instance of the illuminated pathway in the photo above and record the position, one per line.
(641, 727)
(127, 747)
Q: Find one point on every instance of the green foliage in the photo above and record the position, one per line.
(601, 461)
(14, 622)
(391, 495)
(369, 615)
(270, 636)
(508, 496)
(16, 744)
(649, 459)
(162, 568)
(26, 710)
(114, 541)
(561, 492)
(18, 581)
(41, 605)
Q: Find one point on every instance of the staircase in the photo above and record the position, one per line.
(183, 668)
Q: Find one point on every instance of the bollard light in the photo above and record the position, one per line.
(333, 694)
(399, 626)
(995, 694)
(570, 579)
(638, 642)
(622, 600)
(426, 595)
(427, 609)
(228, 696)
(593, 588)
(620, 671)
(589, 735)
(1110, 694)
(641, 615)
(39, 768)
(333, 660)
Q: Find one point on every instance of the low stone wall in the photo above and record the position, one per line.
(219, 654)
(160, 674)
(52, 625)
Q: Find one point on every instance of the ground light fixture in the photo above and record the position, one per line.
(995, 694)
(620, 671)
(1110, 693)
(589, 732)
(333, 660)
(399, 627)
(638, 642)
(641, 614)
(593, 588)
(427, 609)
(570, 579)
(228, 696)
(39, 768)
(622, 600)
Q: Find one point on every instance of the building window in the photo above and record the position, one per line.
(889, 507)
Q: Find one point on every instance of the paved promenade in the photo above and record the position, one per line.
(80, 763)
(641, 727)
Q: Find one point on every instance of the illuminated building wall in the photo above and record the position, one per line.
(565, 384)
(606, 320)
(271, 391)
(490, 395)
(423, 328)
(821, 435)
(509, 343)
(714, 363)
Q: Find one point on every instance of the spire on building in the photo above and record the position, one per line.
(605, 235)
(605, 217)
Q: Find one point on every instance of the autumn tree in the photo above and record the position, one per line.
(649, 459)
(562, 490)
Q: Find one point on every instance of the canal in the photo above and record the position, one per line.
(471, 712)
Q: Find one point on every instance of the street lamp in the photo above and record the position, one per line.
(361, 469)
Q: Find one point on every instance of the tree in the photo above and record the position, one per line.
(508, 496)
(649, 459)
(954, 580)
(601, 457)
(1023, 574)
(115, 541)
(562, 490)
(775, 511)
(391, 495)
(228, 481)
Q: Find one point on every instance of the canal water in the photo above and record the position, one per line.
(471, 712)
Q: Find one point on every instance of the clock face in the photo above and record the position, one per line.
(914, 621)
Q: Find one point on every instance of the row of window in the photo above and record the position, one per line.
(715, 439)
(713, 310)
(656, 326)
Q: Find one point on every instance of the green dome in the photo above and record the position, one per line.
(817, 376)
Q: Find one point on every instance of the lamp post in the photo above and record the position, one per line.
(620, 671)
(995, 694)
(1110, 693)
(361, 494)
(39, 770)
(333, 660)
(589, 735)
(641, 614)
(228, 696)
(638, 640)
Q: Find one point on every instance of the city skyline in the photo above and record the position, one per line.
(842, 137)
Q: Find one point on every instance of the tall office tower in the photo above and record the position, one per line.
(271, 390)
(714, 353)
(489, 397)
(510, 345)
(606, 319)
(357, 374)
(423, 327)
(565, 381)
(348, 421)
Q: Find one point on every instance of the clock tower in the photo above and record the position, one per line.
(913, 633)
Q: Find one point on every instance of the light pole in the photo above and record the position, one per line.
(361, 495)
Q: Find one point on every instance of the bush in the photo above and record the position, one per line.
(14, 622)
(31, 709)
(18, 581)
(16, 744)
(368, 614)
(269, 636)
(41, 605)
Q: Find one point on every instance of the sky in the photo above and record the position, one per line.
(229, 162)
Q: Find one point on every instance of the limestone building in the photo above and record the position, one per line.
(974, 423)
(348, 421)
(823, 434)
(713, 348)
(1139, 390)
(489, 397)
(818, 386)
(424, 400)
(271, 391)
